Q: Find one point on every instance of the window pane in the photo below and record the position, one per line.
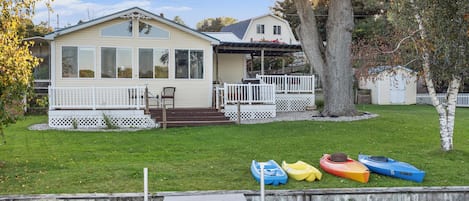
(124, 63)
(122, 29)
(260, 28)
(182, 68)
(146, 30)
(86, 61)
(145, 63)
(108, 62)
(161, 63)
(41, 72)
(69, 62)
(197, 64)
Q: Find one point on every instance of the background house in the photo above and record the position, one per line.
(390, 85)
(263, 28)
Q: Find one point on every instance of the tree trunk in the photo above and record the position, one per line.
(333, 61)
(338, 74)
(446, 111)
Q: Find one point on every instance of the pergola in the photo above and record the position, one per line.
(261, 49)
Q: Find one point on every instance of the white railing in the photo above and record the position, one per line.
(248, 93)
(462, 100)
(289, 83)
(96, 97)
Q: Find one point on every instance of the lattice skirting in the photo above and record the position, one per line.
(250, 112)
(293, 102)
(95, 119)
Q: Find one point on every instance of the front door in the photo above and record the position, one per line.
(397, 89)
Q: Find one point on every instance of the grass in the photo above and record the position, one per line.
(218, 157)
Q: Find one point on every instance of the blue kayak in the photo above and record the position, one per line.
(390, 167)
(273, 173)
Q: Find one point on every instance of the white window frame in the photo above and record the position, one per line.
(78, 62)
(154, 59)
(117, 56)
(132, 31)
(152, 38)
(189, 63)
(260, 28)
(277, 30)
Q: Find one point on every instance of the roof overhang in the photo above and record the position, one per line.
(131, 13)
(270, 49)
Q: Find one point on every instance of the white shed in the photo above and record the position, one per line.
(391, 85)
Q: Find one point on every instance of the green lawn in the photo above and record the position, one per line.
(218, 157)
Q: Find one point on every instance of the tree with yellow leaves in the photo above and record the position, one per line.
(16, 60)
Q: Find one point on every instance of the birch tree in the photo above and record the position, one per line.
(441, 28)
(332, 59)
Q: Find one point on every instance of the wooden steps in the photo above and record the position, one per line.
(180, 117)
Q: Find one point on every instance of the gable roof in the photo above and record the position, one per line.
(130, 13)
(240, 28)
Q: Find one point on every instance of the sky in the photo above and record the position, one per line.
(190, 11)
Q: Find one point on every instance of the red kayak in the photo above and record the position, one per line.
(349, 168)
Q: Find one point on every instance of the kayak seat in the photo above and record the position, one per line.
(339, 157)
(379, 158)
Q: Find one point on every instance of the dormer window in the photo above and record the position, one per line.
(277, 30)
(260, 29)
(150, 31)
(123, 29)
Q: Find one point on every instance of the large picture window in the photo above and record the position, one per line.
(78, 62)
(153, 63)
(123, 29)
(189, 64)
(150, 31)
(116, 62)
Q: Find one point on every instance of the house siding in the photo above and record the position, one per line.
(189, 93)
(231, 67)
(269, 21)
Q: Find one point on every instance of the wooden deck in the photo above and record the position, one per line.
(181, 117)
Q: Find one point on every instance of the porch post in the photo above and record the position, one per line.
(216, 65)
(262, 62)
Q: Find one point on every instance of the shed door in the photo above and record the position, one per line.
(397, 89)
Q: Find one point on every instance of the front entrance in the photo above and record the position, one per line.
(397, 89)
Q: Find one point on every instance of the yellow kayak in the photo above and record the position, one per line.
(301, 171)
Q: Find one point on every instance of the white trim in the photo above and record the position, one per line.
(53, 35)
(209, 75)
(153, 25)
(123, 37)
(78, 63)
(52, 63)
(189, 65)
(117, 73)
(154, 59)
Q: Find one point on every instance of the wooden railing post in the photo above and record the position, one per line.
(238, 114)
(164, 116)
(285, 81)
(147, 106)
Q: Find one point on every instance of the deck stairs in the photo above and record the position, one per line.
(184, 117)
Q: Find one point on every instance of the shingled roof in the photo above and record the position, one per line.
(239, 29)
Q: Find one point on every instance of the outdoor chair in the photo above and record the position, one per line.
(168, 94)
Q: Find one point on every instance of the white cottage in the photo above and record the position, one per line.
(118, 65)
(391, 85)
(263, 28)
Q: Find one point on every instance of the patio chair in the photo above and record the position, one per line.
(167, 93)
